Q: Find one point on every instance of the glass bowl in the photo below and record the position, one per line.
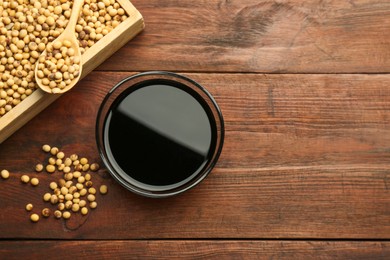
(159, 133)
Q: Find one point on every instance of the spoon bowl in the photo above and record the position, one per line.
(68, 36)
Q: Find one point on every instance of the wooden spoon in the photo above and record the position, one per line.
(70, 35)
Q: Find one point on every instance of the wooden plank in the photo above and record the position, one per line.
(94, 56)
(195, 249)
(288, 36)
(305, 156)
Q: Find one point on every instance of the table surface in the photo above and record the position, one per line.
(304, 88)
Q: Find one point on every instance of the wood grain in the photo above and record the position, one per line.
(305, 156)
(285, 36)
(305, 169)
(195, 250)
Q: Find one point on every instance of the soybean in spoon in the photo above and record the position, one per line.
(59, 67)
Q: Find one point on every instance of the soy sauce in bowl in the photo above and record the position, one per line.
(161, 134)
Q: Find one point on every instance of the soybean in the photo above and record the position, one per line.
(103, 189)
(29, 207)
(5, 174)
(25, 178)
(34, 181)
(39, 167)
(34, 217)
(46, 212)
(57, 214)
(66, 215)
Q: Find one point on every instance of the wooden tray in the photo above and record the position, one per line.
(93, 57)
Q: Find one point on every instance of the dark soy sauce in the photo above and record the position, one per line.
(160, 134)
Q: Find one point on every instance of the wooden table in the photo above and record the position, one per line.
(305, 170)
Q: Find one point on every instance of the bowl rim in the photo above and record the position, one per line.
(191, 182)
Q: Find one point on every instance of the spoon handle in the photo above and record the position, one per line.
(77, 4)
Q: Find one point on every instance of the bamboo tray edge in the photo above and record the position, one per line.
(93, 57)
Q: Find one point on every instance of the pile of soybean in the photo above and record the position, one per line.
(28, 27)
(73, 193)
